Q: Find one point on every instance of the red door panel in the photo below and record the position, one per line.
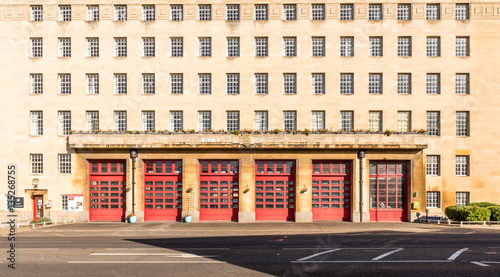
(37, 207)
(275, 190)
(163, 190)
(107, 191)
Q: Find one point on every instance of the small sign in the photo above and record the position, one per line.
(48, 205)
(75, 202)
(19, 202)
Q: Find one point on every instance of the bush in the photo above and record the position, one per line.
(483, 204)
(495, 213)
(468, 213)
(452, 212)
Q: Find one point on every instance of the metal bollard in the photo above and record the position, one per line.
(44, 224)
(55, 222)
(65, 221)
(439, 221)
(484, 223)
(461, 224)
(33, 225)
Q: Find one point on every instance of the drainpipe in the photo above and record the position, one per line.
(133, 156)
(361, 155)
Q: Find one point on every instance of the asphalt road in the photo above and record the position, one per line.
(166, 249)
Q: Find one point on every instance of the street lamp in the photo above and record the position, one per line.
(133, 156)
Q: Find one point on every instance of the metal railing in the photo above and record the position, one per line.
(449, 222)
(40, 224)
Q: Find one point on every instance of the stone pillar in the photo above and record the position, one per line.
(355, 187)
(247, 189)
(191, 188)
(303, 188)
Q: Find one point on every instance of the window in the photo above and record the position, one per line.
(289, 12)
(318, 11)
(261, 121)
(375, 46)
(205, 46)
(36, 123)
(290, 46)
(36, 47)
(404, 11)
(93, 13)
(176, 13)
(290, 120)
(261, 12)
(92, 83)
(176, 47)
(64, 84)
(433, 83)
(36, 13)
(346, 46)
(64, 163)
(261, 83)
(462, 124)
(233, 83)
(205, 12)
(433, 199)
(462, 198)
(233, 12)
(290, 83)
(346, 11)
(204, 121)
(233, 47)
(120, 12)
(92, 47)
(375, 12)
(120, 47)
(120, 83)
(461, 11)
(64, 13)
(404, 121)
(64, 202)
(204, 83)
(148, 121)
(176, 121)
(433, 123)
(120, 121)
(462, 165)
(148, 12)
(36, 163)
(404, 46)
(462, 83)
(318, 83)
(92, 121)
(375, 83)
(346, 83)
(433, 165)
(148, 47)
(318, 46)
(36, 81)
(64, 48)
(433, 47)
(433, 12)
(317, 120)
(64, 123)
(233, 120)
(375, 121)
(346, 121)
(261, 47)
(148, 83)
(176, 83)
(404, 83)
(462, 47)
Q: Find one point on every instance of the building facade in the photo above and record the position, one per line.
(249, 110)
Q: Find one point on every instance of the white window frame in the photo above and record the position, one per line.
(462, 83)
(404, 121)
(289, 12)
(375, 12)
(462, 47)
(433, 165)
(318, 83)
(92, 47)
(148, 47)
(433, 46)
(205, 46)
(462, 198)
(148, 121)
(64, 83)
(463, 123)
(434, 123)
(404, 47)
(36, 163)
(176, 12)
(176, 47)
(36, 123)
(64, 48)
(176, 83)
(233, 120)
(36, 13)
(233, 46)
(64, 163)
(233, 83)
(176, 121)
(204, 83)
(120, 80)
(318, 46)
(204, 12)
(261, 121)
(289, 83)
(36, 83)
(120, 12)
(346, 11)
(64, 123)
(290, 120)
(317, 11)
(148, 13)
(404, 11)
(433, 199)
(120, 47)
(375, 46)
(92, 13)
(64, 202)
(261, 47)
(404, 83)
(232, 12)
(36, 47)
(120, 121)
(461, 11)
(92, 121)
(433, 83)
(92, 83)
(261, 83)
(346, 121)
(290, 46)
(261, 12)
(347, 83)
(148, 83)
(375, 121)
(433, 11)
(204, 121)
(375, 83)
(346, 46)
(317, 120)
(64, 12)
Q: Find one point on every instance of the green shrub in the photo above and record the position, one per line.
(495, 213)
(482, 204)
(452, 212)
(468, 213)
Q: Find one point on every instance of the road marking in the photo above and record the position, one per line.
(456, 254)
(174, 255)
(489, 262)
(158, 247)
(146, 262)
(383, 261)
(310, 248)
(480, 264)
(318, 254)
(386, 254)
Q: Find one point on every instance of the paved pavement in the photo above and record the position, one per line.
(257, 249)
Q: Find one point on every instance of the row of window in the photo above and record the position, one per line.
(261, 12)
(261, 83)
(462, 198)
(261, 119)
(433, 167)
(318, 44)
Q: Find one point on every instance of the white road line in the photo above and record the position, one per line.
(146, 262)
(383, 261)
(386, 254)
(478, 263)
(174, 255)
(169, 248)
(318, 254)
(310, 248)
(488, 262)
(456, 254)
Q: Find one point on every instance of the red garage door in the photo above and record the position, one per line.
(275, 190)
(219, 188)
(388, 189)
(331, 190)
(163, 190)
(107, 191)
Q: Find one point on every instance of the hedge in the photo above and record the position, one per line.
(468, 213)
(495, 213)
(483, 204)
